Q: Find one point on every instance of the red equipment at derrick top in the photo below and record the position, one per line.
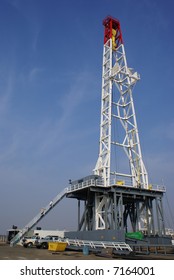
(112, 31)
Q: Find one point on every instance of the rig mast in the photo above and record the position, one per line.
(118, 128)
(115, 199)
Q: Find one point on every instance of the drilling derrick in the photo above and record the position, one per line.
(116, 199)
(118, 127)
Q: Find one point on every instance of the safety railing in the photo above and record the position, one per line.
(119, 246)
(127, 182)
(3, 238)
(85, 184)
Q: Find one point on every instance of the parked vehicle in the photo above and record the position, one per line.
(30, 241)
(11, 233)
(43, 242)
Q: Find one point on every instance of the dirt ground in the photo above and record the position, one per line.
(21, 253)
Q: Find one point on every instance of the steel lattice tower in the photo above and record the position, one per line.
(118, 113)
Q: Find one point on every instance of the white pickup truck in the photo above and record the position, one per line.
(30, 241)
(43, 242)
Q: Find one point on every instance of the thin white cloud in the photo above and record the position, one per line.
(58, 131)
(36, 32)
(14, 3)
(45, 137)
(5, 94)
(34, 73)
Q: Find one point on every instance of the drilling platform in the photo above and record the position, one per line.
(116, 199)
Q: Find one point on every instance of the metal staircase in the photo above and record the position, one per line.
(118, 246)
(44, 211)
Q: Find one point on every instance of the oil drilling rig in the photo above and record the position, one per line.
(120, 198)
(117, 198)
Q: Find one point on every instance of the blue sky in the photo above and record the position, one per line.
(50, 89)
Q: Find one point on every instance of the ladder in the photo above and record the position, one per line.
(44, 211)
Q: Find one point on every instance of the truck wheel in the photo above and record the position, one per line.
(30, 244)
(45, 245)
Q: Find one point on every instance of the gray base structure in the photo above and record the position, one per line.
(123, 209)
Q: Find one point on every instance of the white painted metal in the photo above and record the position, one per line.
(119, 246)
(100, 183)
(44, 211)
(103, 164)
(100, 207)
(118, 113)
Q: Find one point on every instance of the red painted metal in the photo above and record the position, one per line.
(109, 24)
